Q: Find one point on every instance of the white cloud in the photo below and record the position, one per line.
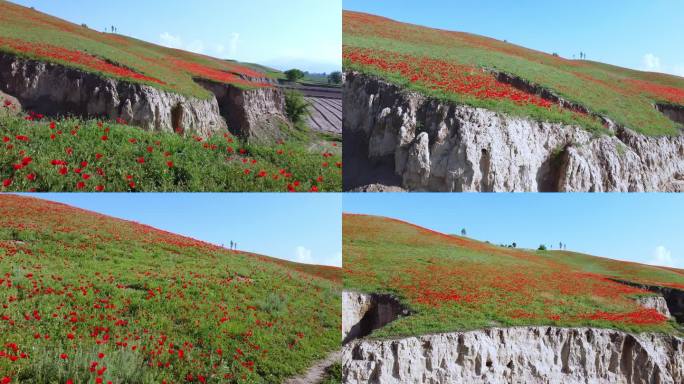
(234, 40)
(196, 46)
(171, 41)
(199, 46)
(303, 255)
(662, 257)
(652, 62)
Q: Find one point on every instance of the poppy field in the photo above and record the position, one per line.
(454, 283)
(457, 66)
(40, 154)
(91, 299)
(29, 33)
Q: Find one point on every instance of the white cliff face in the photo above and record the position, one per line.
(53, 89)
(254, 114)
(518, 355)
(57, 90)
(655, 302)
(446, 147)
(354, 307)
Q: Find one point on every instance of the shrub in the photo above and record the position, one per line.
(294, 74)
(542, 248)
(296, 107)
(335, 78)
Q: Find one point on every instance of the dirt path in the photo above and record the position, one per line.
(316, 373)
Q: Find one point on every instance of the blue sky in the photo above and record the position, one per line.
(298, 227)
(645, 228)
(284, 34)
(645, 35)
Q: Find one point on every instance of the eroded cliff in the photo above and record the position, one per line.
(518, 355)
(533, 354)
(57, 90)
(424, 144)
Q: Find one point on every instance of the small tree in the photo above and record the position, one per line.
(463, 232)
(296, 107)
(514, 245)
(542, 248)
(335, 78)
(294, 74)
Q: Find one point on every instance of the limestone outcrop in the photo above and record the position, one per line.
(518, 355)
(57, 90)
(437, 146)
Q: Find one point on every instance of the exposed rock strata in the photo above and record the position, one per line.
(53, 89)
(655, 302)
(363, 313)
(474, 149)
(518, 355)
(254, 114)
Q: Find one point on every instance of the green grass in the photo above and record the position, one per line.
(333, 374)
(453, 283)
(205, 165)
(139, 296)
(603, 89)
(33, 27)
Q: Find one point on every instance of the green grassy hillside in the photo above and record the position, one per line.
(454, 283)
(87, 297)
(451, 65)
(34, 34)
(95, 156)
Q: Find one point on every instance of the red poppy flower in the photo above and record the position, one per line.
(247, 171)
(63, 356)
(98, 156)
(131, 184)
(132, 141)
(85, 176)
(169, 164)
(261, 174)
(150, 149)
(141, 160)
(80, 185)
(63, 171)
(314, 189)
(104, 137)
(7, 182)
(99, 188)
(31, 176)
(5, 139)
(70, 336)
(100, 355)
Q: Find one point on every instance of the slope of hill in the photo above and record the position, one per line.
(220, 125)
(33, 34)
(434, 305)
(558, 120)
(455, 283)
(87, 297)
(450, 64)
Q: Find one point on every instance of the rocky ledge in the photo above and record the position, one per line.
(518, 355)
(431, 145)
(57, 90)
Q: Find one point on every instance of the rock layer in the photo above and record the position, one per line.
(518, 355)
(438, 146)
(57, 90)
(54, 89)
(254, 114)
